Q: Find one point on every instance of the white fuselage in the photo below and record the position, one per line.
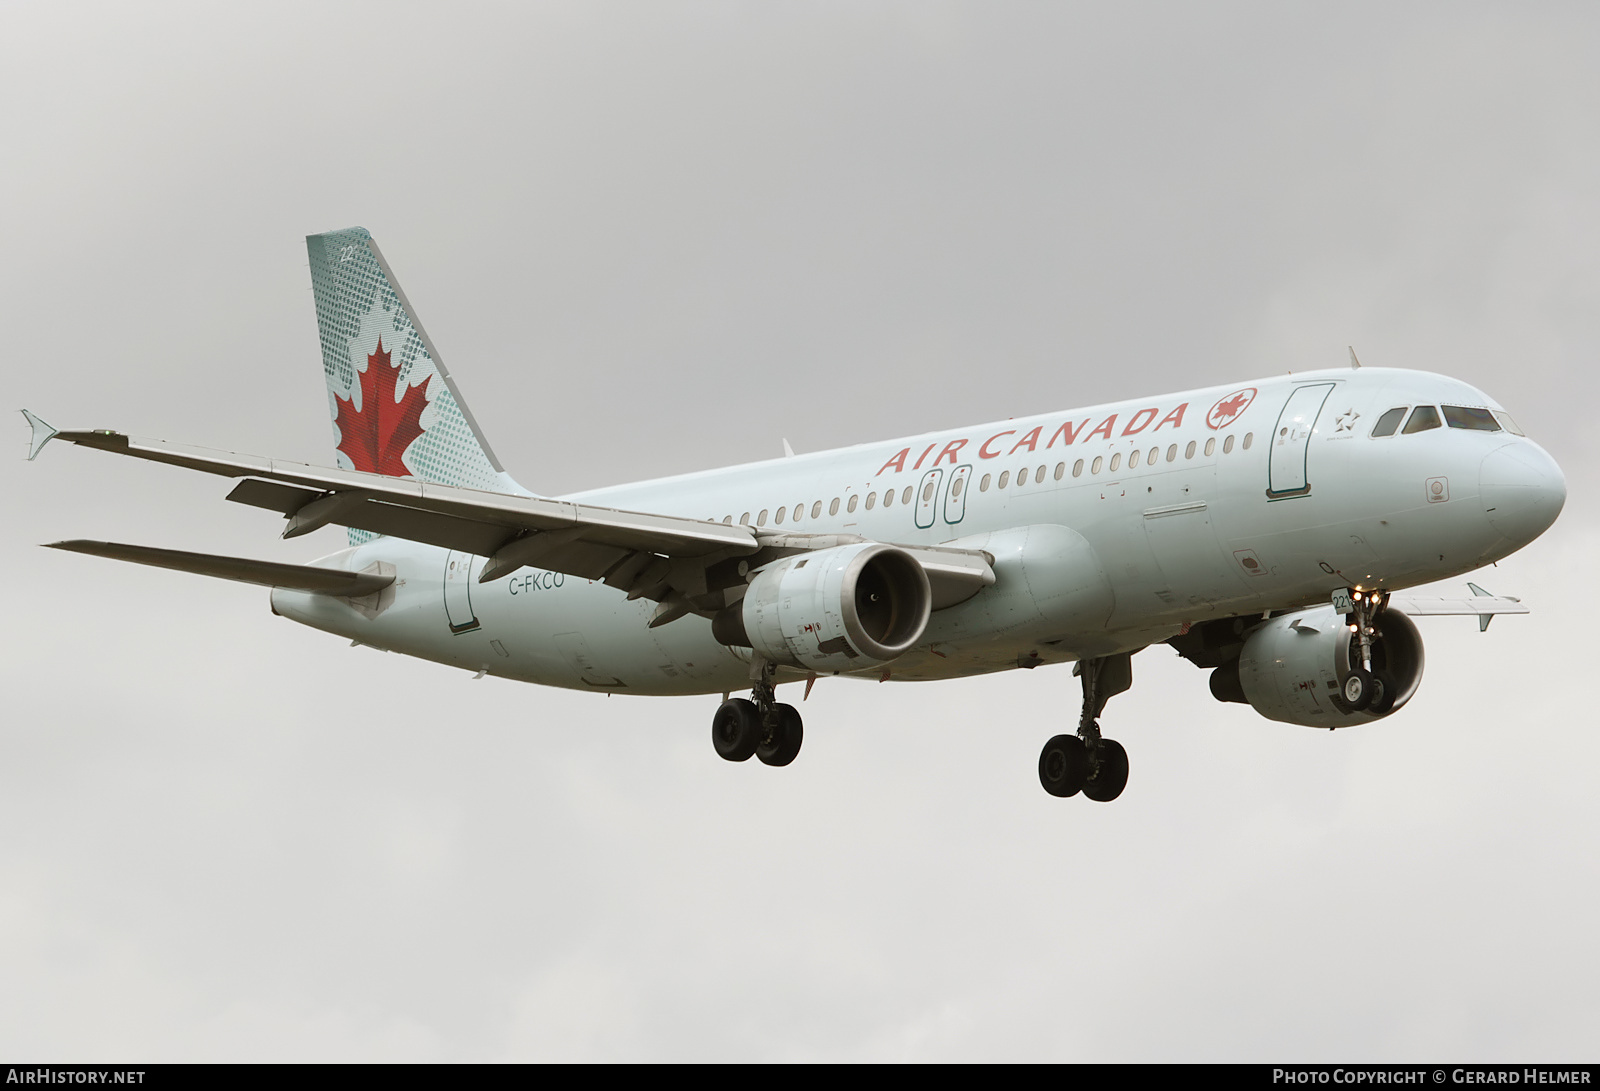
(1210, 503)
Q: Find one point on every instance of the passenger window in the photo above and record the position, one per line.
(1389, 422)
(1133, 460)
(1423, 417)
(816, 509)
(1077, 468)
(799, 510)
(905, 495)
(1005, 477)
(1188, 452)
(1116, 460)
(1479, 420)
(888, 497)
(1155, 455)
(1038, 475)
(761, 520)
(1211, 446)
(1061, 470)
(872, 498)
(1227, 445)
(1248, 436)
(744, 520)
(983, 486)
(851, 505)
(1022, 477)
(778, 516)
(1510, 425)
(727, 520)
(833, 508)
(1094, 469)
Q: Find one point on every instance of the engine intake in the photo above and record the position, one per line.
(845, 608)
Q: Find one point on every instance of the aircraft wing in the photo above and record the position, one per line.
(687, 565)
(1480, 602)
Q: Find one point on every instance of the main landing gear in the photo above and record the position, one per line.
(761, 726)
(1085, 762)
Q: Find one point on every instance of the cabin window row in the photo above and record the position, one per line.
(1425, 418)
(1150, 458)
(1039, 475)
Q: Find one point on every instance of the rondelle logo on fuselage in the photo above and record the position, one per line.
(1229, 408)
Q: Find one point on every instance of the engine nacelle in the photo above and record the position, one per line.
(838, 609)
(1292, 668)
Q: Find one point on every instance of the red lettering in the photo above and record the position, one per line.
(950, 449)
(898, 462)
(1030, 440)
(984, 452)
(1103, 428)
(1176, 417)
(1135, 425)
(1068, 433)
(918, 466)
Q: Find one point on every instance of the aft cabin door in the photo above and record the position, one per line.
(1291, 441)
(458, 592)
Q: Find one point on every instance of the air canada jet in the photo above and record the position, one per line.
(1266, 530)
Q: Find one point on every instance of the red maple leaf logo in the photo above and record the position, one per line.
(1230, 407)
(377, 436)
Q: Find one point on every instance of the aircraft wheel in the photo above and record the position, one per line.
(736, 729)
(1111, 777)
(1063, 765)
(1358, 689)
(1383, 693)
(783, 743)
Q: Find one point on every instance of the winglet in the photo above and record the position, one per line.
(1483, 619)
(42, 434)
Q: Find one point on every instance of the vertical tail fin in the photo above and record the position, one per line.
(396, 411)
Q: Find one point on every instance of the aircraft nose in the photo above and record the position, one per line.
(1522, 489)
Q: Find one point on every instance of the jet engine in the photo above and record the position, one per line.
(1297, 668)
(845, 608)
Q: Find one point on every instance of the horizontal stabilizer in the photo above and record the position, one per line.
(294, 577)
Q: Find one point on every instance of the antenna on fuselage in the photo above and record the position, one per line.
(1354, 363)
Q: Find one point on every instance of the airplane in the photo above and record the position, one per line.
(1265, 530)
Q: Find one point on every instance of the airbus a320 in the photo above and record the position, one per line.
(1267, 530)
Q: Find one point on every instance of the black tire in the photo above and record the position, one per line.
(1384, 692)
(736, 730)
(1358, 690)
(1063, 765)
(1107, 782)
(783, 744)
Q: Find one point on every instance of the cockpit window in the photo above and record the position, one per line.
(1505, 420)
(1423, 417)
(1389, 422)
(1460, 416)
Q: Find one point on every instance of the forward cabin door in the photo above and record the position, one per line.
(1291, 439)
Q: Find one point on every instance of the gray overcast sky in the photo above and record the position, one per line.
(652, 238)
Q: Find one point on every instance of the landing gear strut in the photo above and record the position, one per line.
(760, 726)
(1085, 762)
(1366, 688)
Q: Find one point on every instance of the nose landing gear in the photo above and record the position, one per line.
(771, 731)
(1085, 762)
